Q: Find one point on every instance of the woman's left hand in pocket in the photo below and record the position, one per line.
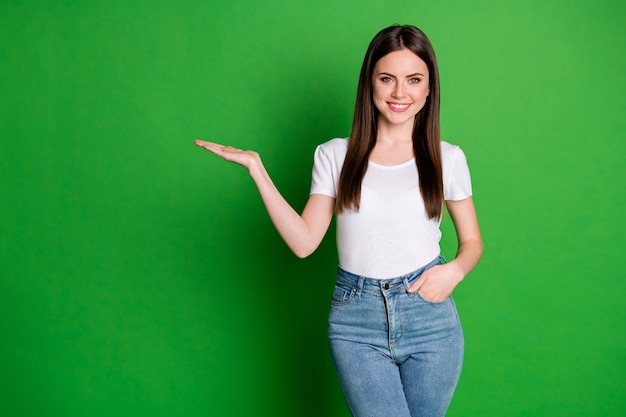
(438, 282)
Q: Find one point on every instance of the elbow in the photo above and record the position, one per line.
(475, 247)
(480, 248)
(304, 245)
(302, 252)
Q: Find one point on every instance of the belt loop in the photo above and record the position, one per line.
(359, 287)
(406, 283)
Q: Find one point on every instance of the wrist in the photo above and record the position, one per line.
(257, 170)
(458, 272)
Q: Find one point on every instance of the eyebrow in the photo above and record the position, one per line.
(408, 76)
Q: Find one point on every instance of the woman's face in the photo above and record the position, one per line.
(400, 82)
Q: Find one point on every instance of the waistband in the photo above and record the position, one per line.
(401, 283)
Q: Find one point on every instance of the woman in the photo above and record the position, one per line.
(394, 332)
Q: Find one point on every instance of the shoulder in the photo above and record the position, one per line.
(334, 146)
(450, 153)
(333, 150)
(328, 160)
(448, 149)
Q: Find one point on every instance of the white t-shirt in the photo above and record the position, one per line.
(390, 235)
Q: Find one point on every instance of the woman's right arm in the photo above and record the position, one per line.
(302, 233)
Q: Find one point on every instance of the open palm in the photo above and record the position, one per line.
(228, 153)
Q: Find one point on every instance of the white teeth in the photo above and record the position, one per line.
(399, 106)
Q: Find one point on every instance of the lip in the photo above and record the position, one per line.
(399, 107)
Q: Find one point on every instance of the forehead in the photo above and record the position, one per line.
(401, 62)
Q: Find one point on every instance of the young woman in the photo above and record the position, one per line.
(394, 332)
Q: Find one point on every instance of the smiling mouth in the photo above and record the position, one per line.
(397, 107)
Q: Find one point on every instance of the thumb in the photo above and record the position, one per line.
(417, 284)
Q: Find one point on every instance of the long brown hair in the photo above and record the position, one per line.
(426, 134)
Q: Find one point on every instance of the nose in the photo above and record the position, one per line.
(398, 91)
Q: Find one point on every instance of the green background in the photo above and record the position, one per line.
(140, 275)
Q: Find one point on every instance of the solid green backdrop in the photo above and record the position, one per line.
(140, 275)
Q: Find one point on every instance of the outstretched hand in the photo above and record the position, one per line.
(230, 154)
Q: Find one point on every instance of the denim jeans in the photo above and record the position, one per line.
(396, 354)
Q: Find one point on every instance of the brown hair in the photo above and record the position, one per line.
(426, 135)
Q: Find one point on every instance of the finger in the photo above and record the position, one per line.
(216, 148)
(199, 142)
(417, 284)
(207, 144)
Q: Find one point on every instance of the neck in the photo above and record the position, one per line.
(394, 144)
(391, 134)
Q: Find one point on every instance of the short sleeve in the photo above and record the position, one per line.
(327, 163)
(456, 175)
(322, 181)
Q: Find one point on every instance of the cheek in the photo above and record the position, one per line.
(379, 104)
(379, 97)
(378, 92)
(422, 94)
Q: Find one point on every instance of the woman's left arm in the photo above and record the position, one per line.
(438, 282)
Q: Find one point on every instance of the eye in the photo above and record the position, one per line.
(415, 80)
(386, 79)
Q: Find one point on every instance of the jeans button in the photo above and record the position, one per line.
(386, 285)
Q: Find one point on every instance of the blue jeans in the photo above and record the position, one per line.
(396, 354)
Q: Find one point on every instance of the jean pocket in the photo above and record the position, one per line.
(427, 301)
(342, 294)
